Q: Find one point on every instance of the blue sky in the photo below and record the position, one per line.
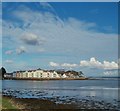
(71, 36)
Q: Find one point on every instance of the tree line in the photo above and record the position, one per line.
(2, 72)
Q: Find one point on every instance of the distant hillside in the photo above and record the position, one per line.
(70, 73)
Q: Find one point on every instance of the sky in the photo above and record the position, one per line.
(61, 35)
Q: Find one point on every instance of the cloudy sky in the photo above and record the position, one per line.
(72, 36)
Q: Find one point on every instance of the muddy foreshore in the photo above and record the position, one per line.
(34, 104)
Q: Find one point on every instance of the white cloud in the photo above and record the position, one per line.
(60, 36)
(56, 36)
(92, 63)
(8, 52)
(75, 23)
(21, 50)
(69, 65)
(110, 73)
(8, 61)
(53, 64)
(110, 65)
(64, 65)
(32, 39)
(96, 64)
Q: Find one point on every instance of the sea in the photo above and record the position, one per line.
(63, 90)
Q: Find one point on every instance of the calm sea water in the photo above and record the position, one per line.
(106, 90)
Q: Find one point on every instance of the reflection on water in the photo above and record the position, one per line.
(106, 90)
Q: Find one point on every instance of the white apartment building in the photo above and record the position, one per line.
(37, 74)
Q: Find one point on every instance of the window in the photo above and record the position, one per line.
(41, 75)
(26, 74)
(54, 75)
(47, 74)
(32, 75)
(37, 74)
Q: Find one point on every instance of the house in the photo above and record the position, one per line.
(8, 75)
(25, 74)
(64, 76)
(56, 75)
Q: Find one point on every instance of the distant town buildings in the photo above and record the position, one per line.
(42, 74)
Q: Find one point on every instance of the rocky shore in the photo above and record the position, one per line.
(36, 104)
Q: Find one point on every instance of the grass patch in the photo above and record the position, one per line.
(7, 104)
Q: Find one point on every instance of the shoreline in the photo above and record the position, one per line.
(48, 79)
(28, 104)
(37, 104)
(42, 79)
